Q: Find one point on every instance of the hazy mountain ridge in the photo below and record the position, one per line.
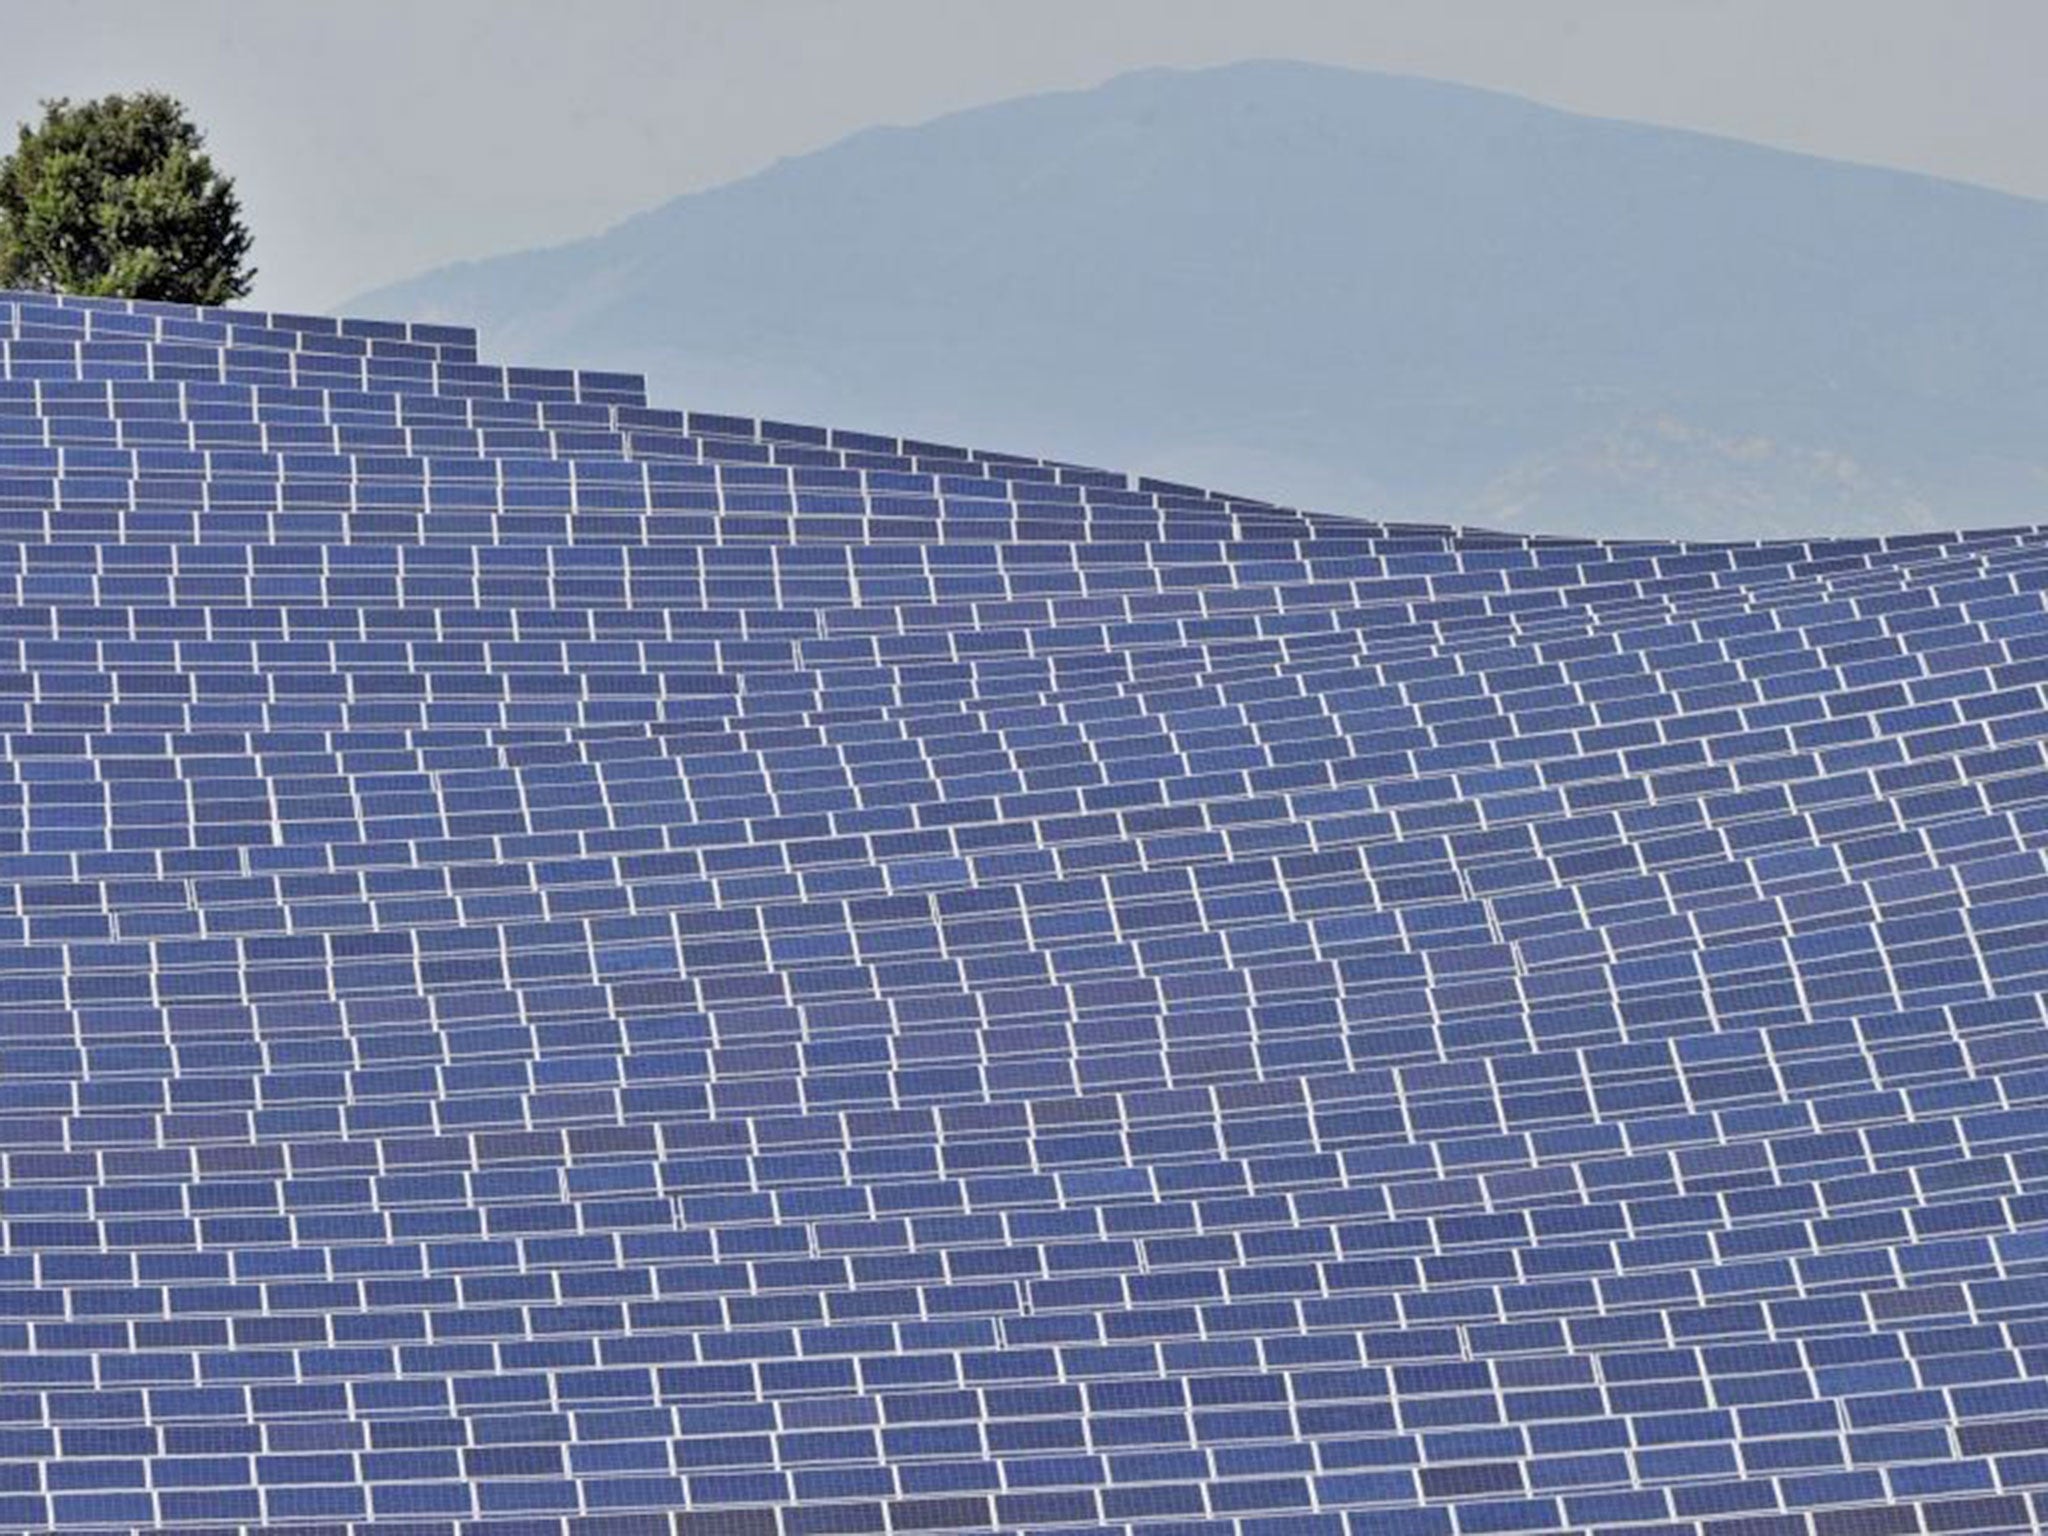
(1358, 292)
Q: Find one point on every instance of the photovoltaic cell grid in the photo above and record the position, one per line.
(568, 967)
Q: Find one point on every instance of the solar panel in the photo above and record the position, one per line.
(571, 966)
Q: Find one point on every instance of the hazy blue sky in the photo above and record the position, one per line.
(374, 138)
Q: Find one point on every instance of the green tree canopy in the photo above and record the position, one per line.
(117, 197)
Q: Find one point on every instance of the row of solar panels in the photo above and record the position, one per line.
(74, 314)
(112, 363)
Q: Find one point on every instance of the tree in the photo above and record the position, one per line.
(118, 198)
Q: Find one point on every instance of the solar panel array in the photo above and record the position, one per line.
(569, 967)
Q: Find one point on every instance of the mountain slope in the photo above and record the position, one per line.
(1358, 292)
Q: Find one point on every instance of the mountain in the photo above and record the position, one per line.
(1355, 292)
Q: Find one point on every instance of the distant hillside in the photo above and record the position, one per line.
(1350, 291)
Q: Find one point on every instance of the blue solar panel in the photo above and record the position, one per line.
(575, 967)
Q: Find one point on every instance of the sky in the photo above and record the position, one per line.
(374, 139)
